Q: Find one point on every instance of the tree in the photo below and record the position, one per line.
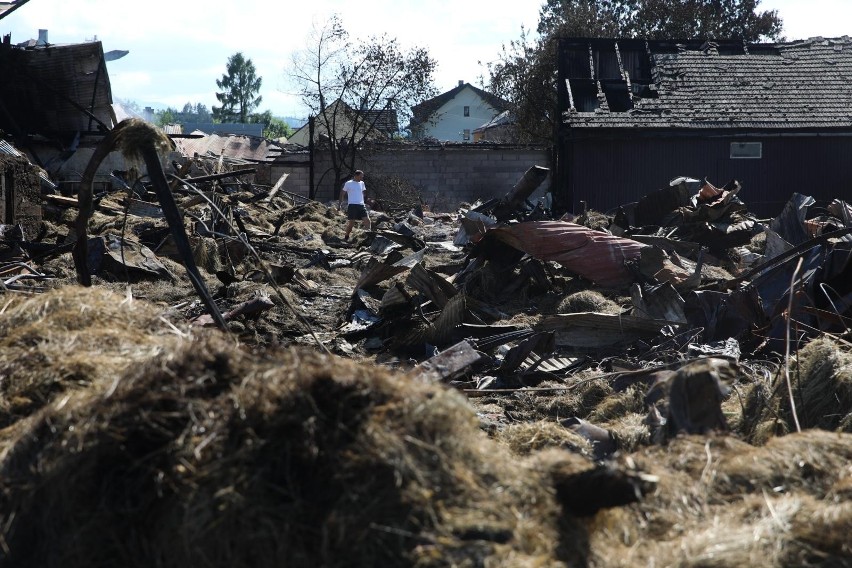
(659, 19)
(349, 85)
(586, 18)
(165, 117)
(194, 113)
(277, 128)
(524, 75)
(272, 127)
(190, 113)
(525, 71)
(240, 85)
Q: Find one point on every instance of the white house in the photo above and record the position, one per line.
(454, 115)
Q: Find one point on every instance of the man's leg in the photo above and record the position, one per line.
(365, 222)
(349, 224)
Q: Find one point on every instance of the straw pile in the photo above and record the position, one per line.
(821, 380)
(71, 338)
(207, 455)
(131, 442)
(722, 502)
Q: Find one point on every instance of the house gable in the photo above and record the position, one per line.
(454, 115)
(342, 117)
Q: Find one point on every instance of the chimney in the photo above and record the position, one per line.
(461, 83)
(42, 37)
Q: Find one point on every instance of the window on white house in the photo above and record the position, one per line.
(467, 133)
(746, 150)
(467, 111)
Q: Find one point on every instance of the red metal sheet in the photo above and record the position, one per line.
(595, 255)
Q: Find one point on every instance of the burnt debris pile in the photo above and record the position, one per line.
(197, 369)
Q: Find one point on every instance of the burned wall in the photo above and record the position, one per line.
(20, 194)
(606, 172)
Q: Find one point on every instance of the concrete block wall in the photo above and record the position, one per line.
(446, 175)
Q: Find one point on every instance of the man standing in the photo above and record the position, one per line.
(354, 190)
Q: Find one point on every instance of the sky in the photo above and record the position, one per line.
(179, 48)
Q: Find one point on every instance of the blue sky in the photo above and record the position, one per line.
(179, 48)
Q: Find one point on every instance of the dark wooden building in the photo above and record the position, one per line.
(637, 113)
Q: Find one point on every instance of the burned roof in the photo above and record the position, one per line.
(801, 84)
(10, 6)
(55, 89)
(224, 128)
(422, 112)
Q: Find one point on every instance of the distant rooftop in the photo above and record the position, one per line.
(249, 129)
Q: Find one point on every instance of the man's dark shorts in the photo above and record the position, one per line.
(356, 212)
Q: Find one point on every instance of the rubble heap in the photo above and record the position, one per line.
(665, 383)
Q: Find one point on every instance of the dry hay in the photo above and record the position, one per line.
(210, 455)
(311, 212)
(821, 377)
(721, 502)
(618, 404)
(579, 399)
(309, 232)
(711, 272)
(630, 431)
(594, 220)
(524, 438)
(587, 301)
(343, 277)
(757, 244)
(69, 338)
(207, 254)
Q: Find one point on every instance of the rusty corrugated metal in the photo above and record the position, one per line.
(595, 255)
(172, 129)
(240, 147)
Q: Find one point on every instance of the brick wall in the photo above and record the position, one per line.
(445, 174)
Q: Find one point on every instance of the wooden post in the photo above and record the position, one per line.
(312, 192)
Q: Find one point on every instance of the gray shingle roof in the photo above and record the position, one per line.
(802, 84)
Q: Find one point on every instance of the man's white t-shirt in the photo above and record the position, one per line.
(354, 192)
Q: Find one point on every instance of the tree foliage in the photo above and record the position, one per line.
(272, 127)
(239, 86)
(190, 113)
(525, 70)
(659, 19)
(164, 117)
(346, 85)
(277, 128)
